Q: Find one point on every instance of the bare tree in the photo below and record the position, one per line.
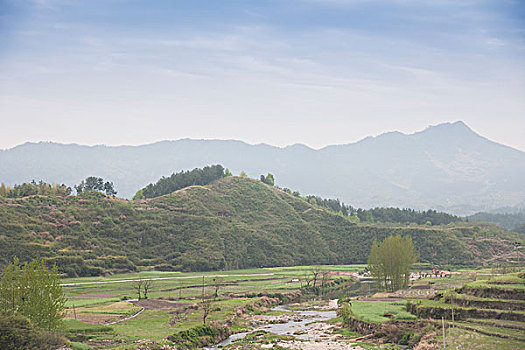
(315, 271)
(207, 307)
(148, 284)
(307, 279)
(324, 278)
(137, 285)
(217, 284)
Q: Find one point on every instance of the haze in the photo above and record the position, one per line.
(278, 72)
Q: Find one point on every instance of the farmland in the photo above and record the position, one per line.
(173, 301)
(109, 316)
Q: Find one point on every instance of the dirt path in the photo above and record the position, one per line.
(126, 318)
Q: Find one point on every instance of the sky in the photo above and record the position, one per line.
(315, 72)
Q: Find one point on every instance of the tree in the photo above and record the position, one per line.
(3, 190)
(183, 179)
(137, 285)
(207, 308)
(268, 179)
(227, 172)
(146, 286)
(80, 187)
(243, 174)
(109, 189)
(33, 291)
(93, 183)
(390, 261)
(217, 284)
(315, 271)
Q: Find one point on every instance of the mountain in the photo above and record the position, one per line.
(231, 223)
(510, 221)
(445, 167)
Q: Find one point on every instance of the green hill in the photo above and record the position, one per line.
(231, 223)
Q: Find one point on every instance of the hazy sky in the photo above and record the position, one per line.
(316, 72)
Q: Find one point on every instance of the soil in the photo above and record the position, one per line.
(312, 345)
(94, 318)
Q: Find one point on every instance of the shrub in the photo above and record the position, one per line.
(18, 332)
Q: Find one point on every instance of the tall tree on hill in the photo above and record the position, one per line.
(109, 189)
(3, 190)
(390, 261)
(268, 179)
(93, 183)
(180, 180)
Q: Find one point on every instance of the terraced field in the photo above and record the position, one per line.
(488, 314)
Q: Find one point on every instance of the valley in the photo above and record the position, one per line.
(104, 312)
(240, 264)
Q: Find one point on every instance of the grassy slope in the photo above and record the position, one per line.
(229, 224)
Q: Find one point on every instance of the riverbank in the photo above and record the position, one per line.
(309, 326)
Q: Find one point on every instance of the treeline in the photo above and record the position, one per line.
(333, 204)
(514, 222)
(93, 183)
(33, 188)
(392, 215)
(180, 180)
(406, 216)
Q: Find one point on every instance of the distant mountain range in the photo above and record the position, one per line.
(445, 167)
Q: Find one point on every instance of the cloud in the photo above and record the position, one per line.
(294, 64)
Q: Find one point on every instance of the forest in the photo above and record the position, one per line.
(180, 180)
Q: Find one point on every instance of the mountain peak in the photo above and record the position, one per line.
(458, 126)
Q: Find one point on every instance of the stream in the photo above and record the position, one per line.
(300, 323)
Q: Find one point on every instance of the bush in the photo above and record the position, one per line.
(18, 333)
(199, 336)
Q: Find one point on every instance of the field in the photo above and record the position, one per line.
(109, 316)
(173, 302)
(377, 311)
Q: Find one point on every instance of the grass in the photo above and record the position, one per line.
(472, 340)
(74, 326)
(508, 281)
(374, 311)
(80, 346)
(150, 324)
(81, 302)
(112, 288)
(505, 332)
(486, 333)
(102, 296)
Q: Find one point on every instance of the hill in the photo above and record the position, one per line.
(231, 223)
(447, 167)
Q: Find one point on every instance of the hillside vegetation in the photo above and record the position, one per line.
(510, 221)
(181, 180)
(231, 223)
